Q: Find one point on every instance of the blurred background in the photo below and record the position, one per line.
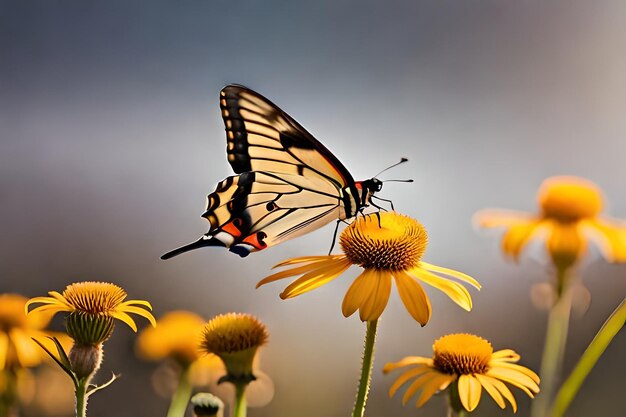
(111, 137)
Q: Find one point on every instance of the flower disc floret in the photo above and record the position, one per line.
(233, 332)
(569, 199)
(462, 354)
(94, 297)
(397, 243)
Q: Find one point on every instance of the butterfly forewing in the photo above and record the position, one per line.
(261, 137)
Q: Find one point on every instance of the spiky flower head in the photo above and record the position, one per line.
(235, 338)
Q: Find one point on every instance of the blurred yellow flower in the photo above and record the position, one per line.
(90, 304)
(17, 349)
(569, 216)
(391, 248)
(176, 336)
(469, 362)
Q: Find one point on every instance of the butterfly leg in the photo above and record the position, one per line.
(384, 199)
(332, 245)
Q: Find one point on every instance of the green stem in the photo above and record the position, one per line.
(81, 397)
(366, 370)
(596, 348)
(554, 347)
(181, 397)
(239, 409)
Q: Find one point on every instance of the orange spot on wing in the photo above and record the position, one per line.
(254, 241)
(231, 229)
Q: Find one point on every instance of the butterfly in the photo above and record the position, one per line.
(287, 183)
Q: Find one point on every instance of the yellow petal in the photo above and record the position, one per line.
(505, 355)
(517, 368)
(439, 383)
(140, 312)
(295, 271)
(315, 279)
(469, 391)
(421, 381)
(500, 218)
(41, 300)
(452, 289)
(303, 259)
(451, 272)
(504, 390)
(356, 295)
(413, 297)
(514, 377)
(610, 238)
(137, 303)
(491, 390)
(377, 299)
(407, 361)
(405, 376)
(120, 315)
(4, 349)
(516, 238)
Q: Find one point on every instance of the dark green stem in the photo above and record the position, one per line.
(81, 397)
(554, 345)
(366, 370)
(240, 407)
(180, 400)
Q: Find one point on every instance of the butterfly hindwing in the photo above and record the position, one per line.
(254, 210)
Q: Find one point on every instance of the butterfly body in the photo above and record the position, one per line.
(288, 183)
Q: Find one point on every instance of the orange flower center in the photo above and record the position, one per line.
(94, 297)
(397, 243)
(569, 199)
(462, 354)
(233, 332)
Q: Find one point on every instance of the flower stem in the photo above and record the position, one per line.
(598, 345)
(239, 409)
(81, 397)
(180, 399)
(366, 369)
(554, 345)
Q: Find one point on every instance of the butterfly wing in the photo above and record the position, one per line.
(289, 183)
(262, 137)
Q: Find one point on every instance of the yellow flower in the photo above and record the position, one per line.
(470, 362)
(390, 249)
(235, 338)
(92, 307)
(177, 336)
(569, 216)
(17, 350)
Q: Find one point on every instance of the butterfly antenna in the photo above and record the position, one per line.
(409, 180)
(402, 160)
